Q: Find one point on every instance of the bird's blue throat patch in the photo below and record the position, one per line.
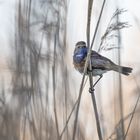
(80, 55)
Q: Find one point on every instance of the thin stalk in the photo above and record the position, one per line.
(134, 110)
(74, 106)
(65, 127)
(83, 78)
(120, 85)
(79, 100)
(129, 115)
(95, 108)
(98, 22)
(78, 106)
(124, 119)
(24, 124)
(90, 3)
(54, 89)
(90, 67)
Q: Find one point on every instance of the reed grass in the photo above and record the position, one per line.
(40, 105)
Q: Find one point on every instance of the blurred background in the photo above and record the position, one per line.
(39, 86)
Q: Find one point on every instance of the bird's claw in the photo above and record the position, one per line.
(91, 90)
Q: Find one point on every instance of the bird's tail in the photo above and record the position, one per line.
(123, 70)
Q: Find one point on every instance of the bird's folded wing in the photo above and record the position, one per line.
(100, 62)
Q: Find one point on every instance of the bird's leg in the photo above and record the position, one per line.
(97, 80)
(91, 89)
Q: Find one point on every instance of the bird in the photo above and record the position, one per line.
(99, 63)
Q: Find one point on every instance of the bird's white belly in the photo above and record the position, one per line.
(97, 72)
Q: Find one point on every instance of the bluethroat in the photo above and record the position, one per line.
(100, 64)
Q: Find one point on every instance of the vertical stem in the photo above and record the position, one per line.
(90, 3)
(96, 116)
(134, 110)
(95, 107)
(120, 87)
(78, 106)
(85, 69)
(54, 89)
(90, 65)
(96, 29)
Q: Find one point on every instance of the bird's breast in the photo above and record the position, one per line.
(79, 66)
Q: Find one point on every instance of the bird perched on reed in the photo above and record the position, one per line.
(99, 63)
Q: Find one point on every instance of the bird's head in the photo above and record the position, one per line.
(80, 44)
(80, 51)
